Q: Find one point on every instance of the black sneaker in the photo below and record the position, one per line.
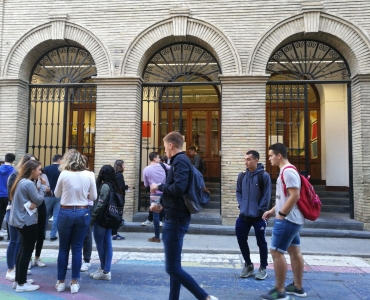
(53, 239)
(275, 294)
(292, 290)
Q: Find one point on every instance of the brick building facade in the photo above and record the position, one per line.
(242, 36)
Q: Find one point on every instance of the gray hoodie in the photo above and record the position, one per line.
(25, 191)
(251, 202)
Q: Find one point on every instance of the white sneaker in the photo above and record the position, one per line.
(102, 276)
(147, 222)
(213, 297)
(96, 272)
(74, 288)
(39, 262)
(51, 219)
(160, 223)
(69, 266)
(85, 266)
(60, 286)
(30, 265)
(29, 272)
(10, 275)
(30, 281)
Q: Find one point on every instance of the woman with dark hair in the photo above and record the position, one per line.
(75, 186)
(105, 183)
(119, 167)
(25, 199)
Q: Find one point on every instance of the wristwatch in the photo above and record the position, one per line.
(281, 214)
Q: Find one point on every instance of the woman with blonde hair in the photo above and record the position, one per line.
(25, 199)
(75, 186)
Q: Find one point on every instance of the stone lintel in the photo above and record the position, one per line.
(243, 79)
(122, 80)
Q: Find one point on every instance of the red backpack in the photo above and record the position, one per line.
(309, 202)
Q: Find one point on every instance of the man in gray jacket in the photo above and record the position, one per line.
(253, 192)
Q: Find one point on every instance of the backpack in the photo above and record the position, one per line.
(203, 167)
(309, 202)
(195, 197)
(110, 214)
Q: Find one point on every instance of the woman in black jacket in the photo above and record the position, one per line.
(119, 167)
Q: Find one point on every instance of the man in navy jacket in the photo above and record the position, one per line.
(253, 192)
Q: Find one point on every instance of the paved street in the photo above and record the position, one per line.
(139, 274)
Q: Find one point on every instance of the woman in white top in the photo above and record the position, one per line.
(75, 186)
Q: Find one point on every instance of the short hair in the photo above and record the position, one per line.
(254, 153)
(72, 161)
(9, 157)
(153, 155)
(192, 148)
(175, 138)
(164, 158)
(279, 148)
(56, 157)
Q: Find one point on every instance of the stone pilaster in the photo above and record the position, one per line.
(14, 105)
(118, 119)
(243, 128)
(361, 147)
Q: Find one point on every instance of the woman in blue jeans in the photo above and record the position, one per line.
(75, 185)
(103, 236)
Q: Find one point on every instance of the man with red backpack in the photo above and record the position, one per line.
(287, 224)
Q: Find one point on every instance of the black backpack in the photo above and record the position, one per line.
(110, 214)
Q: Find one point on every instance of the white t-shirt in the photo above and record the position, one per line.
(74, 187)
(292, 180)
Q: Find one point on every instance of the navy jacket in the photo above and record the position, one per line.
(252, 203)
(52, 172)
(176, 186)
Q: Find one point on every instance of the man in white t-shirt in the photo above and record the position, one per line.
(287, 225)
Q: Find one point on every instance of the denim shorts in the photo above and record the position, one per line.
(284, 235)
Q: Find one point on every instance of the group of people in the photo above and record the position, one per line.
(77, 189)
(68, 191)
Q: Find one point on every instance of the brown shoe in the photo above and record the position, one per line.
(154, 240)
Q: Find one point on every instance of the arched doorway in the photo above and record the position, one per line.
(62, 104)
(181, 92)
(293, 102)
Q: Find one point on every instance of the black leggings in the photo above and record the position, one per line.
(41, 228)
(28, 239)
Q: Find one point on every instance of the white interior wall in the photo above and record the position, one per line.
(334, 134)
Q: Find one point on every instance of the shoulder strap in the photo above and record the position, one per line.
(241, 177)
(261, 183)
(282, 178)
(164, 168)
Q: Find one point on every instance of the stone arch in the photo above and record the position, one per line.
(181, 29)
(25, 52)
(348, 39)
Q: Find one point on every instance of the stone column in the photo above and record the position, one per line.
(243, 128)
(14, 104)
(361, 147)
(118, 121)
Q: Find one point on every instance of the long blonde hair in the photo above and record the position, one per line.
(24, 172)
(72, 161)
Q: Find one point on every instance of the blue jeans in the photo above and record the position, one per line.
(284, 235)
(14, 244)
(173, 236)
(103, 241)
(52, 208)
(156, 224)
(72, 226)
(242, 228)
